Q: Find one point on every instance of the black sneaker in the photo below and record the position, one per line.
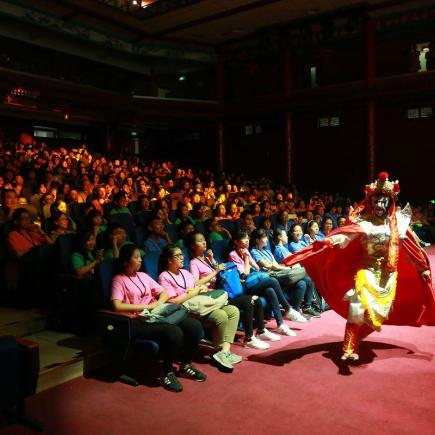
(311, 312)
(170, 382)
(191, 372)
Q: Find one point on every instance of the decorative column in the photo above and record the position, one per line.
(220, 96)
(288, 90)
(369, 34)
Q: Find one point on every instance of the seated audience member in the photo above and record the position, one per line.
(26, 235)
(313, 233)
(199, 213)
(206, 270)
(234, 212)
(327, 226)
(116, 239)
(60, 205)
(296, 241)
(100, 198)
(246, 222)
(217, 231)
(35, 199)
(183, 215)
(162, 214)
(9, 205)
(46, 201)
(220, 212)
(341, 221)
(331, 212)
(284, 221)
(280, 240)
(121, 201)
(268, 288)
(266, 225)
(134, 291)
(95, 221)
(255, 209)
(184, 229)
(143, 203)
(158, 238)
(300, 291)
(181, 286)
(59, 224)
(85, 259)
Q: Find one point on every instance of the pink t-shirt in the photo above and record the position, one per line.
(200, 269)
(177, 285)
(239, 262)
(138, 290)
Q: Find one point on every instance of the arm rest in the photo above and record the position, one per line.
(30, 352)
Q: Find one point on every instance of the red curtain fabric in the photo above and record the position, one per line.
(333, 270)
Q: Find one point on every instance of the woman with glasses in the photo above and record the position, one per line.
(181, 286)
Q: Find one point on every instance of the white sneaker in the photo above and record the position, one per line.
(295, 316)
(256, 343)
(267, 335)
(285, 330)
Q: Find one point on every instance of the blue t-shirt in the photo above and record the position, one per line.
(297, 246)
(152, 245)
(262, 254)
(280, 253)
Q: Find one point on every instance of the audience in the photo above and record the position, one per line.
(181, 286)
(62, 190)
(206, 271)
(134, 291)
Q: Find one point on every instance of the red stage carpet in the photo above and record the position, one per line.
(297, 387)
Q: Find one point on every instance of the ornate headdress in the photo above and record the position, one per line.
(382, 186)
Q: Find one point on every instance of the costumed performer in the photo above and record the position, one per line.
(373, 270)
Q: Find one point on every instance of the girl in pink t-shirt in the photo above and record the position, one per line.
(134, 291)
(181, 286)
(205, 270)
(269, 288)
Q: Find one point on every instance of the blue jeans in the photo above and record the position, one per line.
(271, 290)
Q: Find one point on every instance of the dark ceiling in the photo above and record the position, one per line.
(202, 22)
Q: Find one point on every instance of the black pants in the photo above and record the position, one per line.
(248, 311)
(175, 341)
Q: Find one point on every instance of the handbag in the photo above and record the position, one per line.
(289, 276)
(172, 314)
(205, 303)
(229, 280)
(255, 278)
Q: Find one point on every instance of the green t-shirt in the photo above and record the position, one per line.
(120, 210)
(180, 243)
(79, 261)
(215, 237)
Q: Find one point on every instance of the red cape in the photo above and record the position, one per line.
(333, 270)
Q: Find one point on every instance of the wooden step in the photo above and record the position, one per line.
(64, 356)
(20, 323)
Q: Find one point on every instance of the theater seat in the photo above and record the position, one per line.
(19, 370)
(151, 264)
(116, 329)
(220, 250)
(229, 225)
